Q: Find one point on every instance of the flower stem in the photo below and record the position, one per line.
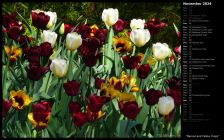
(38, 31)
(89, 84)
(163, 118)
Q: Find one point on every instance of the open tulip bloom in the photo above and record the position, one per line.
(112, 79)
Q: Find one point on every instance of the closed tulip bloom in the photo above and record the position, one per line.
(165, 105)
(129, 109)
(143, 71)
(73, 41)
(53, 18)
(71, 88)
(137, 24)
(152, 96)
(49, 36)
(46, 49)
(62, 29)
(6, 105)
(40, 115)
(110, 16)
(140, 37)
(59, 67)
(39, 19)
(120, 25)
(160, 50)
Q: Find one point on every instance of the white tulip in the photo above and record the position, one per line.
(161, 50)
(73, 41)
(49, 36)
(137, 24)
(59, 67)
(165, 105)
(140, 37)
(53, 18)
(110, 16)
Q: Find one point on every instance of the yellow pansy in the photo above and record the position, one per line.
(19, 99)
(122, 44)
(126, 97)
(13, 53)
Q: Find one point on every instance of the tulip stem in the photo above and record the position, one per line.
(37, 35)
(88, 90)
(162, 123)
(140, 85)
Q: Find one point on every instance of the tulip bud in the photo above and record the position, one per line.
(59, 67)
(161, 50)
(53, 18)
(165, 105)
(62, 29)
(137, 24)
(110, 16)
(73, 41)
(140, 37)
(49, 36)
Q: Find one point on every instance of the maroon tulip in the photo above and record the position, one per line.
(40, 20)
(154, 25)
(131, 62)
(143, 71)
(174, 89)
(89, 46)
(46, 49)
(152, 96)
(89, 51)
(95, 103)
(98, 82)
(120, 25)
(33, 54)
(41, 111)
(101, 35)
(84, 30)
(91, 60)
(6, 19)
(129, 109)
(74, 107)
(79, 119)
(68, 28)
(5, 108)
(35, 71)
(24, 40)
(174, 83)
(71, 88)
(14, 30)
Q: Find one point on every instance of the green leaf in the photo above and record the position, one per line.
(27, 130)
(57, 26)
(145, 56)
(25, 22)
(143, 113)
(108, 51)
(78, 71)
